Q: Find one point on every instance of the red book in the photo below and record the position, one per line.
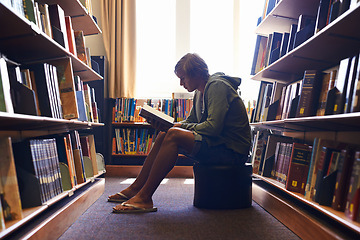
(343, 175)
(353, 196)
(298, 168)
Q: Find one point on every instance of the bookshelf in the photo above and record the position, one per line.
(129, 164)
(23, 43)
(324, 50)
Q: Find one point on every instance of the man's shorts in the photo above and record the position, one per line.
(215, 155)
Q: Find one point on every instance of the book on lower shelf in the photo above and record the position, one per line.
(9, 189)
(38, 172)
(298, 167)
(353, 196)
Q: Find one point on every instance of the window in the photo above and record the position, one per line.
(221, 32)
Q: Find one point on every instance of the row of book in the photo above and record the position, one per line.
(334, 91)
(34, 171)
(325, 171)
(52, 21)
(45, 163)
(269, 49)
(268, 7)
(127, 109)
(45, 89)
(133, 140)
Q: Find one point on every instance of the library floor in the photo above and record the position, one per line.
(176, 218)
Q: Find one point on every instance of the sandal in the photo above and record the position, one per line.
(134, 209)
(122, 198)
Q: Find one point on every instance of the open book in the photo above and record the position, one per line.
(152, 114)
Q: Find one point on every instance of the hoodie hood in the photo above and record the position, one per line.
(233, 81)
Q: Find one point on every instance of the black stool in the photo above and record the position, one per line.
(222, 187)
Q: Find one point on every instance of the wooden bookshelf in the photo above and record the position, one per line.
(23, 43)
(35, 46)
(330, 213)
(81, 18)
(340, 37)
(62, 221)
(324, 50)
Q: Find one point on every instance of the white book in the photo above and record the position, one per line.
(150, 114)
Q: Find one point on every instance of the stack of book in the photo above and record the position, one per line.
(128, 109)
(270, 48)
(319, 93)
(324, 171)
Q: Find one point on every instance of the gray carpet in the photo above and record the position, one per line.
(176, 218)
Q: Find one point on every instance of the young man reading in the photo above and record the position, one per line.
(217, 131)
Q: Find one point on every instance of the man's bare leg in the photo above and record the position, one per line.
(163, 163)
(145, 170)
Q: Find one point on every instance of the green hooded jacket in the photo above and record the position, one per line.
(221, 117)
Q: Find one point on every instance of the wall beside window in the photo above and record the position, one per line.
(221, 32)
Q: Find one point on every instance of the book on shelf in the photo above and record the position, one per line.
(37, 164)
(78, 157)
(284, 44)
(29, 10)
(334, 10)
(353, 81)
(6, 104)
(346, 67)
(151, 114)
(87, 5)
(44, 17)
(294, 99)
(88, 100)
(9, 188)
(133, 140)
(328, 83)
(292, 35)
(305, 29)
(281, 103)
(274, 51)
(259, 146)
(2, 220)
(94, 106)
(355, 104)
(322, 17)
(66, 88)
(259, 102)
(353, 195)
(260, 48)
(46, 88)
(66, 158)
(298, 167)
(92, 146)
(344, 168)
(80, 46)
(70, 35)
(57, 19)
(270, 152)
(266, 102)
(88, 149)
(283, 163)
(23, 98)
(324, 180)
(309, 96)
(272, 111)
(83, 116)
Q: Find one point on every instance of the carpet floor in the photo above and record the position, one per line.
(176, 218)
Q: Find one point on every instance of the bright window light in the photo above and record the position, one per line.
(128, 181)
(221, 32)
(189, 181)
(131, 180)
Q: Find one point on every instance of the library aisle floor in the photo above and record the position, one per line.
(176, 218)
